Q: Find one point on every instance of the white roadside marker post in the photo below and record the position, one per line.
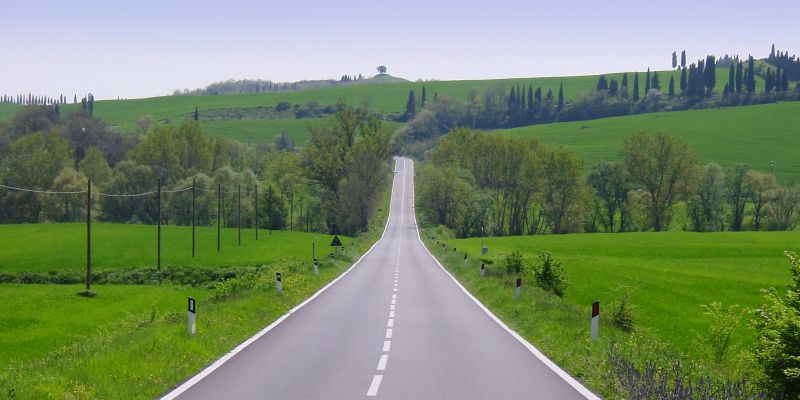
(192, 314)
(278, 285)
(465, 258)
(518, 289)
(316, 267)
(595, 320)
(483, 270)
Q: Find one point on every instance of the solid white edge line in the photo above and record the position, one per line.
(222, 360)
(375, 385)
(546, 361)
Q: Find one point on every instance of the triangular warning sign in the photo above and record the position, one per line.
(336, 242)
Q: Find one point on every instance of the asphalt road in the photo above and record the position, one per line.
(395, 326)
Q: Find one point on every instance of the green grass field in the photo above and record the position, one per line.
(754, 135)
(669, 274)
(55, 247)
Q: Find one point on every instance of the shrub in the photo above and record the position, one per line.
(550, 276)
(622, 313)
(515, 263)
(723, 324)
(777, 325)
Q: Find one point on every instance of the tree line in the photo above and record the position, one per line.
(476, 183)
(233, 86)
(42, 151)
(32, 99)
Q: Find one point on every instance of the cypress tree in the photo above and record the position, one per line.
(777, 82)
(739, 77)
(196, 114)
(674, 60)
(538, 94)
(684, 83)
(710, 74)
(530, 98)
(411, 104)
(549, 96)
(671, 87)
(785, 81)
(512, 100)
(522, 105)
(422, 102)
(751, 75)
(602, 83)
(683, 59)
(656, 83)
(731, 78)
(613, 87)
(647, 82)
(636, 86)
(624, 86)
(561, 95)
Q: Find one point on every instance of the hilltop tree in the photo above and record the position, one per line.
(683, 59)
(602, 83)
(710, 74)
(636, 86)
(613, 87)
(674, 60)
(381, 69)
(664, 167)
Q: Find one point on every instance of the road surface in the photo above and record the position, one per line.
(395, 326)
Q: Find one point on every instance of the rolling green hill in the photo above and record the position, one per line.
(754, 135)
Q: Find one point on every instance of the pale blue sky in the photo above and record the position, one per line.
(147, 47)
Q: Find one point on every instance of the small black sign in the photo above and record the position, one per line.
(191, 305)
(278, 276)
(336, 242)
(595, 309)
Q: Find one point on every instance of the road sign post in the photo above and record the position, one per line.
(192, 313)
(278, 285)
(595, 320)
(518, 289)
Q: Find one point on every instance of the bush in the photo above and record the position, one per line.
(515, 263)
(622, 313)
(723, 324)
(549, 276)
(777, 325)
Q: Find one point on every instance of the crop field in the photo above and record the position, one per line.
(58, 247)
(753, 135)
(669, 275)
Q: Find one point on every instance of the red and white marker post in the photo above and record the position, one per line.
(518, 289)
(595, 320)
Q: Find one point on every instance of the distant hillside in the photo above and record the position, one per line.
(753, 135)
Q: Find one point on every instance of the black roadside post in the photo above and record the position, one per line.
(219, 214)
(194, 215)
(158, 198)
(89, 237)
(256, 197)
(239, 214)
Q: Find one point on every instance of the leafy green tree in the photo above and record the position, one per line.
(706, 204)
(610, 184)
(757, 186)
(736, 194)
(777, 325)
(95, 167)
(442, 194)
(564, 191)
(664, 167)
(782, 208)
(65, 207)
(131, 178)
